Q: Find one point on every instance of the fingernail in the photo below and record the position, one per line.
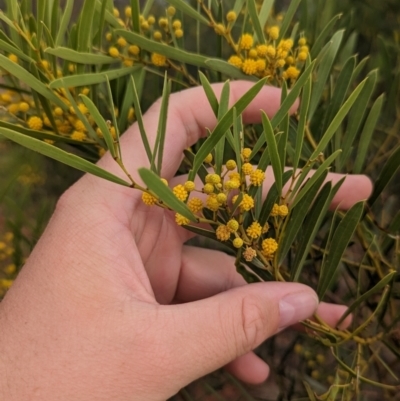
(296, 307)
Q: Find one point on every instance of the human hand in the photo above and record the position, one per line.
(112, 305)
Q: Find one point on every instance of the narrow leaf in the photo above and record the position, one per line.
(79, 57)
(337, 247)
(165, 193)
(273, 151)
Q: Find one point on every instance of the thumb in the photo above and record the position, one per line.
(212, 332)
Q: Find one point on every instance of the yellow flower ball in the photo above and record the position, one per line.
(232, 225)
(163, 22)
(280, 62)
(252, 53)
(286, 44)
(148, 199)
(213, 179)
(249, 66)
(134, 50)
(121, 42)
(275, 210)
(176, 24)
(302, 56)
(273, 32)
(115, 12)
(261, 65)
(246, 41)
(283, 210)
(236, 61)
(58, 111)
(78, 136)
(13, 108)
(230, 164)
(113, 52)
(128, 12)
(292, 72)
(180, 192)
(237, 242)
(249, 254)
(209, 158)
(247, 203)
(231, 184)
(128, 62)
(35, 123)
(222, 233)
(109, 36)
(257, 177)
(190, 186)
(219, 29)
(195, 205)
(151, 20)
(157, 35)
(269, 246)
(13, 58)
(158, 59)
(231, 16)
(178, 33)
(212, 202)
(181, 220)
(254, 230)
(221, 198)
(208, 188)
(171, 11)
(246, 152)
(247, 168)
(302, 41)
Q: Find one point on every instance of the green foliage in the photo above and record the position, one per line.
(71, 84)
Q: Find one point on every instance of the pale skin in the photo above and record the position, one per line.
(111, 304)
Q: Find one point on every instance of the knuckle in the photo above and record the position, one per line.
(253, 324)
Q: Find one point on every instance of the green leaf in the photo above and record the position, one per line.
(265, 11)
(321, 39)
(284, 129)
(61, 156)
(340, 91)
(189, 10)
(364, 297)
(366, 134)
(222, 109)
(357, 115)
(320, 170)
(289, 14)
(296, 218)
(252, 10)
(164, 193)
(292, 96)
(212, 99)
(166, 50)
(100, 122)
(223, 125)
(139, 117)
(387, 173)
(273, 151)
(85, 26)
(79, 57)
(91, 78)
(237, 130)
(304, 105)
(311, 226)
(11, 48)
(337, 247)
(135, 6)
(162, 125)
(228, 69)
(324, 69)
(65, 19)
(272, 198)
(29, 80)
(334, 125)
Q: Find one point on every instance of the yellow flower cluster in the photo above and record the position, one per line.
(8, 269)
(276, 59)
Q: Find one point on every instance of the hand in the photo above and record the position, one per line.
(112, 305)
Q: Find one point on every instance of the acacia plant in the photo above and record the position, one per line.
(71, 86)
